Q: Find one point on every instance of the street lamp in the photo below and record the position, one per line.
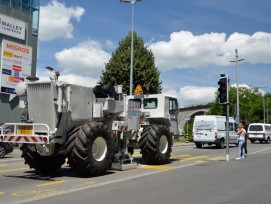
(237, 86)
(133, 2)
(262, 87)
(267, 117)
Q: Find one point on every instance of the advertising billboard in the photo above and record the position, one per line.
(12, 27)
(16, 61)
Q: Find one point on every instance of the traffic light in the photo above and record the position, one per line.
(223, 96)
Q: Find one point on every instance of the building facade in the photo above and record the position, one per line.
(19, 23)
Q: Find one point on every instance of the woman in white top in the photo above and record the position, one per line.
(242, 139)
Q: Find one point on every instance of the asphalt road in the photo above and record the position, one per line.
(193, 176)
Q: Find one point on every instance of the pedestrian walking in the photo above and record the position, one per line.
(241, 141)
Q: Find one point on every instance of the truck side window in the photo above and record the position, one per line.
(173, 106)
(150, 103)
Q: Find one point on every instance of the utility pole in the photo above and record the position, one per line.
(237, 118)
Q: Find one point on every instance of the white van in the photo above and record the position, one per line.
(259, 131)
(211, 129)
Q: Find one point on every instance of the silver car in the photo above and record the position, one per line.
(5, 148)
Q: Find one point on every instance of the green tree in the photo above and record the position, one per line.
(117, 70)
(250, 104)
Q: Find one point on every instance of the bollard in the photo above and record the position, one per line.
(186, 138)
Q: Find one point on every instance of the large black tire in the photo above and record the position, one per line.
(156, 144)
(91, 150)
(42, 164)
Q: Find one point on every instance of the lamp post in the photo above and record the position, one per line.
(267, 117)
(237, 86)
(133, 2)
(262, 87)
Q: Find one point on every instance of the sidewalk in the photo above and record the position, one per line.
(177, 144)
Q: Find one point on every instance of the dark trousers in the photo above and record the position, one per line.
(245, 147)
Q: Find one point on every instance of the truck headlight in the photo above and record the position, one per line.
(24, 116)
(20, 88)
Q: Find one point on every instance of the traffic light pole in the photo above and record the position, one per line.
(227, 133)
(223, 98)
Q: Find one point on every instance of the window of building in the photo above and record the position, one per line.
(30, 7)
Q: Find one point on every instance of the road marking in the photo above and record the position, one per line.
(37, 194)
(179, 156)
(11, 170)
(95, 185)
(84, 184)
(216, 159)
(11, 160)
(1, 193)
(3, 165)
(50, 183)
(193, 158)
(158, 167)
(260, 150)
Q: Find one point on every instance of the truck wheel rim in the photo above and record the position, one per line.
(163, 144)
(99, 149)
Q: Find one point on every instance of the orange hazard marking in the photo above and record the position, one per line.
(138, 90)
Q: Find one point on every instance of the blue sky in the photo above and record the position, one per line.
(192, 41)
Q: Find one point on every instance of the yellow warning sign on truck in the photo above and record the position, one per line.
(138, 90)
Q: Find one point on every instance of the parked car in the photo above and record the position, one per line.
(260, 132)
(5, 148)
(211, 129)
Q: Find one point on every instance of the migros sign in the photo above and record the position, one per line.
(18, 48)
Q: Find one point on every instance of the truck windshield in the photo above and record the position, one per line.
(255, 128)
(204, 125)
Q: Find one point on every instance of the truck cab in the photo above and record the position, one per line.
(157, 109)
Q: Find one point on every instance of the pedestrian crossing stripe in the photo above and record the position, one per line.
(193, 158)
(50, 183)
(12, 170)
(216, 159)
(158, 167)
(179, 156)
(3, 165)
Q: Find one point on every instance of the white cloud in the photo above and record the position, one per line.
(87, 57)
(73, 79)
(79, 80)
(55, 20)
(193, 95)
(185, 50)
